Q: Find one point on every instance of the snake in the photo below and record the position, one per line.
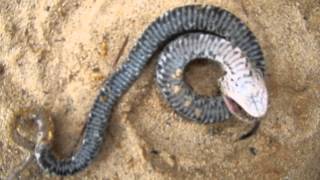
(180, 36)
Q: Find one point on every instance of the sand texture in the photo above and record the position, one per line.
(56, 54)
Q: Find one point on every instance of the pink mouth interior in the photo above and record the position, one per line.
(236, 110)
(233, 107)
(240, 113)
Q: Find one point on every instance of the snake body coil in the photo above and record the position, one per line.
(212, 21)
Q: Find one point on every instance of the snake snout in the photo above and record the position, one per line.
(256, 106)
(247, 103)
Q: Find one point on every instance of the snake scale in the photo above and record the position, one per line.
(182, 34)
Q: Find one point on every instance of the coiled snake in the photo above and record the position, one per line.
(183, 35)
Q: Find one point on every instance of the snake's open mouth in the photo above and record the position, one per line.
(237, 110)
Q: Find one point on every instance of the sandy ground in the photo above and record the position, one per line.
(57, 53)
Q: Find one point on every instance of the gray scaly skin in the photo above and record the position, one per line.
(179, 21)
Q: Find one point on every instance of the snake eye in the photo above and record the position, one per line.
(224, 73)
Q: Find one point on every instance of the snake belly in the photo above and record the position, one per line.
(206, 19)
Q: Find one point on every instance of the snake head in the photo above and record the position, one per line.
(245, 94)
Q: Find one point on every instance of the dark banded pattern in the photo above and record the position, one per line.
(172, 63)
(192, 18)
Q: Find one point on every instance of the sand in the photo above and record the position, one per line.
(56, 54)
